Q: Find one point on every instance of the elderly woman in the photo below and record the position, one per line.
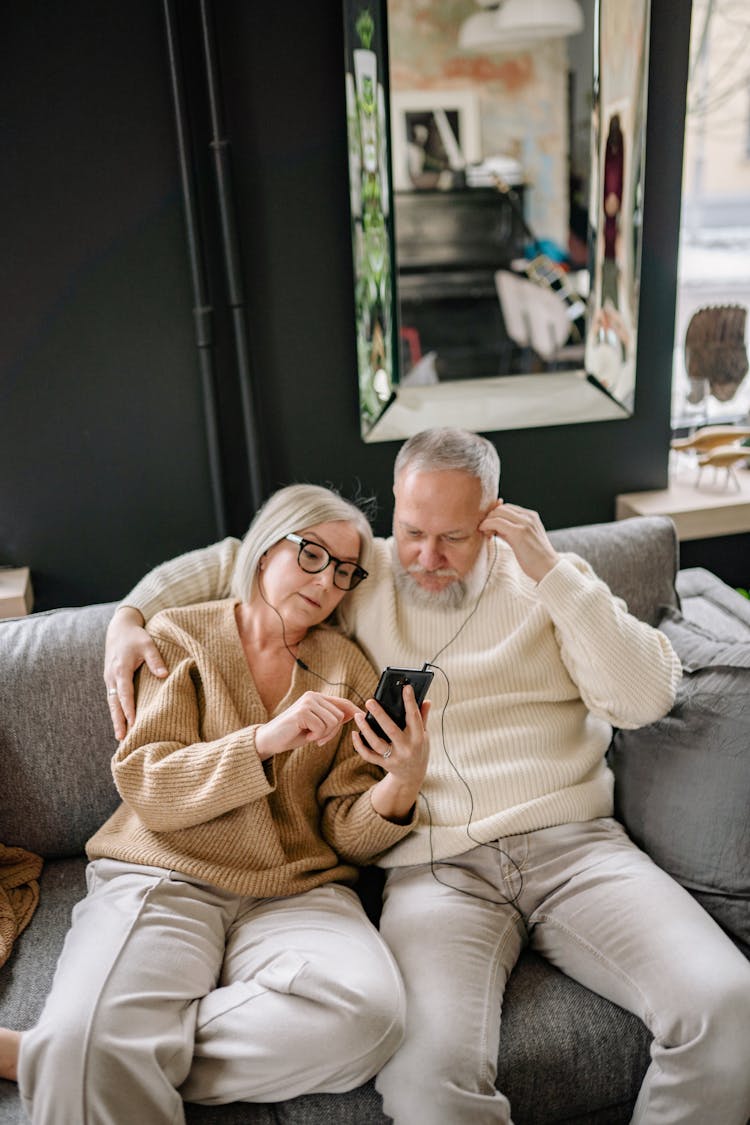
(219, 954)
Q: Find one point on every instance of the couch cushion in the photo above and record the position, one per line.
(637, 558)
(56, 738)
(682, 785)
(27, 975)
(567, 1054)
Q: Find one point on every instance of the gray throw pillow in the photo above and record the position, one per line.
(682, 784)
(699, 647)
(709, 602)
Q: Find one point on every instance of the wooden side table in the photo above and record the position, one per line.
(704, 511)
(16, 595)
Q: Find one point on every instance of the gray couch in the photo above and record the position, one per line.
(566, 1055)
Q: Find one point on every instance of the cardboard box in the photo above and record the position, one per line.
(16, 595)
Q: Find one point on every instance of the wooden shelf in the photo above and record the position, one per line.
(16, 597)
(706, 510)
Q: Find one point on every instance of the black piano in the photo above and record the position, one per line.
(449, 245)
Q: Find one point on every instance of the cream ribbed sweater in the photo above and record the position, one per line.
(538, 676)
(196, 796)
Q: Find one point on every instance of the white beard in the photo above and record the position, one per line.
(453, 596)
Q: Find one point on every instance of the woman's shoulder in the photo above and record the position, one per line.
(197, 620)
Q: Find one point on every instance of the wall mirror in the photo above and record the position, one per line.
(496, 185)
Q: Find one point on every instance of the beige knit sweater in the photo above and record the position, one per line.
(527, 695)
(196, 796)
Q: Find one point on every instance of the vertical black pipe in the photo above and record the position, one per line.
(230, 247)
(202, 310)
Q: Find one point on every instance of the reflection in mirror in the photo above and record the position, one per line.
(496, 199)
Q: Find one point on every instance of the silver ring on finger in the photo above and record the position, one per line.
(387, 753)
(112, 691)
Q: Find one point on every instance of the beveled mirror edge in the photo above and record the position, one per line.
(389, 411)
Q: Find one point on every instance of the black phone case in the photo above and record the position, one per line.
(389, 694)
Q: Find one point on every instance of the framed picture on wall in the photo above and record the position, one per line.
(435, 134)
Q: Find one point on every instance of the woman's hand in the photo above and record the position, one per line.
(404, 758)
(314, 717)
(128, 646)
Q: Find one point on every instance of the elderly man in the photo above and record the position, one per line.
(534, 662)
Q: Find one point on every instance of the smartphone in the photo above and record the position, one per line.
(389, 694)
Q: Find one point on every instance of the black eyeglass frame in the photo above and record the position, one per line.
(358, 572)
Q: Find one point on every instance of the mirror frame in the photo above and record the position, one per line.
(391, 411)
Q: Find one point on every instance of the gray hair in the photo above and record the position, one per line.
(445, 448)
(292, 509)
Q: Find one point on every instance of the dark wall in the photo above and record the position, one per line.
(102, 463)
(104, 468)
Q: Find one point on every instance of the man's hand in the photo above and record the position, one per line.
(313, 717)
(128, 646)
(524, 533)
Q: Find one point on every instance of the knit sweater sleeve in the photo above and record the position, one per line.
(166, 772)
(626, 671)
(198, 576)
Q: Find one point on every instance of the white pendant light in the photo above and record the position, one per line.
(477, 33)
(526, 21)
(517, 23)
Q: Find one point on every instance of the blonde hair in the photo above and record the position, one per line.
(448, 447)
(292, 509)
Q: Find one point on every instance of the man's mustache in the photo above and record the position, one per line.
(442, 572)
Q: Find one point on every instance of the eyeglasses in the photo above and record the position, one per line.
(312, 558)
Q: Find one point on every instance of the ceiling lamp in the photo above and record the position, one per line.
(477, 33)
(519, 23)
(524, 21)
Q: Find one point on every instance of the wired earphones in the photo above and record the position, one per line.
(297, 659)
(503, 901)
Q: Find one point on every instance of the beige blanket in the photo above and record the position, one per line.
(19, 894)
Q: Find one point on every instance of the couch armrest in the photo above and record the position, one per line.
(56, 737)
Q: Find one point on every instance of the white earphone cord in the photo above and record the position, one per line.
(478, 843)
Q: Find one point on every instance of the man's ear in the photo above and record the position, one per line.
(483, 516)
